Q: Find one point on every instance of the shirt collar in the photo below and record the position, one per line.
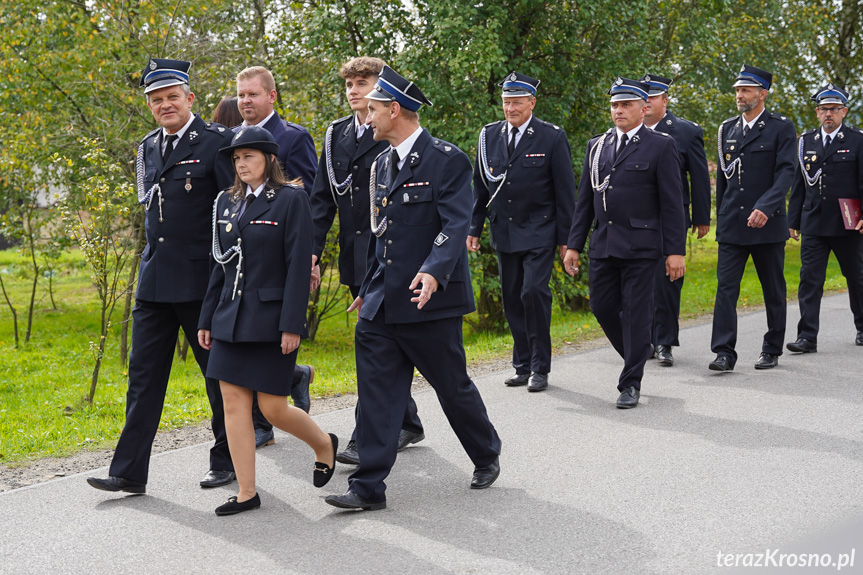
(261, 123)
(179, 133)
(824, 133)
(405, 147)
(521, 128)
(752, 123)
(257, 191)
(358, 127)
(629, 133)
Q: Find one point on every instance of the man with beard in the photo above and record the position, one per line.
(756, 169)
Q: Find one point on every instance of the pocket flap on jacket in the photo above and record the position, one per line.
(270, 294)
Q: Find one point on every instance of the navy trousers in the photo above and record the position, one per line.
(814, 253)
(386, 357)
(621, 298)
(155, 327)
(769, 260)
(666, 308)
(524, 278)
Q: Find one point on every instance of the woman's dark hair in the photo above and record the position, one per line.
(227, 113)
(273, 175)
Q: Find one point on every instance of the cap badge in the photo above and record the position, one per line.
(743, 68)
(513, 77)
(153, 64)
(829, 86)
(618, 81)
(193, 135)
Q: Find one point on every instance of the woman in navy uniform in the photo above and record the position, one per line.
(254, 312)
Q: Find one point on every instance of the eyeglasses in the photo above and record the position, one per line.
(830, 110)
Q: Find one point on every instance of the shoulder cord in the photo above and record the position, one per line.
(335, 187)
(488, 177)
(377, 229)
(146, 197)
(233, 251)
(809, 180)
(595, 153)
(729, 170)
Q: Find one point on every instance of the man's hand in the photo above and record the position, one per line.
(472, 243)
(429, 287)
(757, 219)
(357, 304)
(204, 339)
(315, 281)
(562, 251)
(795, 234)
(290, 342)
(859, 226)
(570, 262)
(701, 230)
(675, 267)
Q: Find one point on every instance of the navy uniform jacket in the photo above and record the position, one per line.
(693, 161)
(428, 213)
(348, 157)
(273, 289)
(296, 149)
(643, 213)
(534, 208)
(815, 210)
(175, 265)
(767, 157)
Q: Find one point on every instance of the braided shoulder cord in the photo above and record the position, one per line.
(727, 171)
(335, 187)
(377, 229)
(488, 177)
(233, 251)
(809, 180)
(594, 155)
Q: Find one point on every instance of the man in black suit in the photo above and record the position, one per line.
(756, 170)
(342, 185)
(630, 194)
(695, 181)
(828, 183)
(180, 172)
(256, 95)
(414, 295)
(524, 185)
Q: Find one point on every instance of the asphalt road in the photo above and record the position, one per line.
(710, 471)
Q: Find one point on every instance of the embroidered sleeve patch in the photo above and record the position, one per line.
(440, 239)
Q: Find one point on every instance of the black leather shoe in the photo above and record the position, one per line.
(802, 346)
(484, 476)
(766, 361)
(264, 438)
(323, 472)
(721, 363)
(407, 437)
(859, 339)
(300, 391)
(351, 500)
(628, 398)
(117, 484)
(232, 507)
(538, 382)
(350, 456)
(517, 379)
(663, 355)
(217, 478)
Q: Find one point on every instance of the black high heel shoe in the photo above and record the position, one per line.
(323, 472)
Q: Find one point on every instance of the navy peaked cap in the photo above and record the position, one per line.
(392, 87)
(830, 94)
(658, 84)
(161, 73)
(752, 76)
(627, 89)
(516, 85)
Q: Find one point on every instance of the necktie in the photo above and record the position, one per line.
(249, 199)
(827, 141)
(169, 147)
(394, 164)
(745, 130)
(622, 145)
(510, 148)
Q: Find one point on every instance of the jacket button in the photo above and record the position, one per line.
(509, 201)
(188, 173)
(161, 240)
(509, 183)
(510, 219)
(162, 180)
(742, 154)
(610, 187)
(241, 275)
(356, 188)
(356, 167)
(239, 292)
(446, 276)
(389, 262)
(359, 233)
(612, 169)
(610, 223)
(742, 208)
(389, 222)
(389, 242)
(509, 166)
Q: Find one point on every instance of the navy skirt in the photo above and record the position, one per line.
(259, 366)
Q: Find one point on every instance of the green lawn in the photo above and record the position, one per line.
(43, 382)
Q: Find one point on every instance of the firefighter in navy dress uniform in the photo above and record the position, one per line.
(179, 173)
(756, 170)
(695, 182)
(254, 312)
(342, 185)
(414, 295)
(524, 184)
(829, 172)
(630, 194)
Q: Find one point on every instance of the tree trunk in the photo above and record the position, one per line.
(12, 309)
(103, 337)
(140, 243)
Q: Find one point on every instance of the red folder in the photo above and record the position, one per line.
(850, 208)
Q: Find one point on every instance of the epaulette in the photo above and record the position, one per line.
(444, 147)
(687, 121)
(779, 117)
(340, 120)
(812, 131)
(731, 119)
(153, 133)
(489, 125)
(601, 134)
(555, 126)
(854, 129)
(218, 128)
(386, 151)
